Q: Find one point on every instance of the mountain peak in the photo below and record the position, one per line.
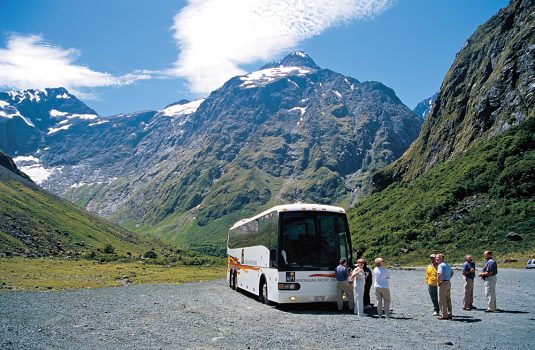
(295, 59)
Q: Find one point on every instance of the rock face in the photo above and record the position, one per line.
(36, 223)
(290, 131)
(26, 117)
(8, 163)
(488, 89)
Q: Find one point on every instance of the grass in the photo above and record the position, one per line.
(54, 274)
(54, 222)
(463, 206)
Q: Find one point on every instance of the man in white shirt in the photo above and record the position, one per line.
(382, 290)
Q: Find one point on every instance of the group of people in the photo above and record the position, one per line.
(356, 285)
(438, 279)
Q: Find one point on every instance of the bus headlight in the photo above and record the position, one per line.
(292, 298)
(289, 286)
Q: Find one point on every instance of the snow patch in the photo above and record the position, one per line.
(300, 109)
(32, 95)
(32, 167)
(3, 104)
(80, 184)
(293, 82)
(83, 116)
(179, 110)
(269, 75)
(56, 113)
(63, 96)
(54, 130)
(352, 86)
(26, 159)
(26, 120)
(338, 94)
(99, 122)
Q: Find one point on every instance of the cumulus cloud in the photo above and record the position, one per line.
(29, 62)
(215, 37)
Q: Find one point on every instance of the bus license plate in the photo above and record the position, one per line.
(319, 298)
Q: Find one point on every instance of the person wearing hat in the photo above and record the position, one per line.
(432, 282)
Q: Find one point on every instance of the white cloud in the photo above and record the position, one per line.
(29, 62)
(216, 36)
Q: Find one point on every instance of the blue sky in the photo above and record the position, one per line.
(122, 55)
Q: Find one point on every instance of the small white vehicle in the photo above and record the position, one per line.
(531, 264)
(288, 254)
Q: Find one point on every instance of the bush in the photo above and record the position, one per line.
(108, 249)
(150, 254)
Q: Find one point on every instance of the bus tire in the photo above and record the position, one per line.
(230, 279)
(234, 286)
(264, 292)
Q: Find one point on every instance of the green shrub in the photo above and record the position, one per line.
(151, 254)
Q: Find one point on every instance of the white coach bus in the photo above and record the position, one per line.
(288, 254)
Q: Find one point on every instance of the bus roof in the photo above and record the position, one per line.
(293, 207)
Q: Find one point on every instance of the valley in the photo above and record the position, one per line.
(455, 174)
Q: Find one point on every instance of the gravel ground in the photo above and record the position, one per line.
(212, 316)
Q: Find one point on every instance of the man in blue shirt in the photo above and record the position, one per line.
(469, 273)
(489, 272)
(444, 274)
(344, 286)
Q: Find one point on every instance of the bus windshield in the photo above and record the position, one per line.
(313, 240)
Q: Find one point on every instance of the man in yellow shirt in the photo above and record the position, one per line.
(431, 280)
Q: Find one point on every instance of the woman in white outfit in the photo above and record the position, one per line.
(359, 278)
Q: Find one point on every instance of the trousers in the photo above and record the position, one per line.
(444, 299)
(383, 297)
(358, 292)
(433, 293)
(468, 299)
(490, 292)
(344, 287)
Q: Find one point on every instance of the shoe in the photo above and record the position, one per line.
(367, 307)
(467, 308)
(442, 318)
(489, 310)
(435, 313)
(473, 308)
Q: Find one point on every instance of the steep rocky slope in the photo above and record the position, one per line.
(467, 183)
(36, 223)
(489, 88)
(290, 131)
(27, 117)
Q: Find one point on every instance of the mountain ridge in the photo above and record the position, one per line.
(288, 132)
(477, 191)
(487, 90)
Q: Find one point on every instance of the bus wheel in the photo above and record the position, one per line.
(233, 283)
(230, 279)
(264, 293)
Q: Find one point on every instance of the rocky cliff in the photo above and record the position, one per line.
(489, 88)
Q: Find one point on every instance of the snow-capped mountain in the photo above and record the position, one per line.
(424, 107)
(26, 117)
(279, 134)
(289, 131)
